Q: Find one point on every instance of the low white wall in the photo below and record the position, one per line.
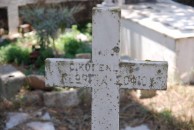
(185, 59)
(142, 43)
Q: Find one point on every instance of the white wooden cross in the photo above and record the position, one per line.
(106, 73)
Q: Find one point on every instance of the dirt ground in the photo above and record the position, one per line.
(169, 110)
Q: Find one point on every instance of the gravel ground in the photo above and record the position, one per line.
(171, 109)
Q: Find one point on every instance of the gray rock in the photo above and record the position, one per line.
(40, 125)
(141, 127)
(11, 80)
(46, 116)
(85, 95)
(62, 99)
(33, 98)
(41, 115)
(15, 118)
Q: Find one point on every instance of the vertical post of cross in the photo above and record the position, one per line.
(105, 51)
(105, 72)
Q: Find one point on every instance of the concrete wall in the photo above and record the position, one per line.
(157, 31)
(142, 43)
(185, 59)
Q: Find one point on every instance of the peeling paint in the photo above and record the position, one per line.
(116, 49)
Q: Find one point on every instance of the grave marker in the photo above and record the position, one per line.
(106, 73)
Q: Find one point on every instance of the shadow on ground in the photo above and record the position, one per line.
(133, 112)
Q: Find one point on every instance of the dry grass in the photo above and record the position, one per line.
(169, 110)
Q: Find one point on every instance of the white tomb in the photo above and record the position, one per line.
(106, 73)
(160, 31)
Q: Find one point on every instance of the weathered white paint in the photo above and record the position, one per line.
(154, 31)
(106, 73)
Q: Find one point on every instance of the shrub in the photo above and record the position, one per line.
(72, 47)
(85, 28)
(14, 54)
(44, 53)
(5, 43)
(68, 44)
(47, 20)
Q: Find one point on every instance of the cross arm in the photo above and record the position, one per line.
(142, 75)
(68, 72)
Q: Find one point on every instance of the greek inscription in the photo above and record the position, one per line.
(133, 80)
(84, 77)
(130, 69)
(144, 80)
(87, 67)
(71, 67)
(70, 80)
(108, 68)
(126, 80)
(118, 82)
(63, 76)
(90, 77)
(152, 82)
(77, 77)
(93, 66)
(81, 67)
(104, 80)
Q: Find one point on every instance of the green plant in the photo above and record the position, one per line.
(41, 70)
(46, 20)
(14, 54)
(44, 53)
(72, 47)
(85, 28)
(5, 43)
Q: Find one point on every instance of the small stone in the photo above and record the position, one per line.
(141, 127)
(38, 114)
(46, 116)
(41, 125)
(62, 99)
(33, 98)
(36, 82)
(146, 93)
(14, 119)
